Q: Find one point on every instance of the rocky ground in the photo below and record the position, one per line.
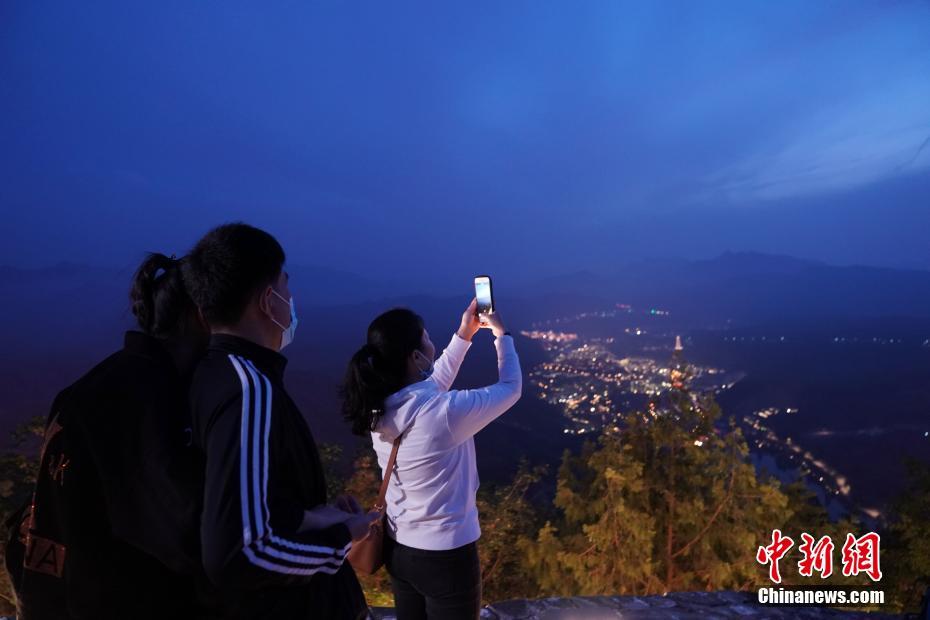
(674, 606)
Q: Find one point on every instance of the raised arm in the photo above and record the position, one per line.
(469, 411)
(447, 366)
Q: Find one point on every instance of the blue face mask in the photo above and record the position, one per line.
(287, 335)
(427, 372)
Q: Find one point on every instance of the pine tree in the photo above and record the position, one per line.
(908, 541)
(507, 515)
(599, 545)
(668, 503)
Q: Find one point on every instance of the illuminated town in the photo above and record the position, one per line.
(595, 387)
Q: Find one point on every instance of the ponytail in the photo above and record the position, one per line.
(158, 298)
(363, 392)
(379, 368)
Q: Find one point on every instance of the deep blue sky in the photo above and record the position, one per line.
(503, 137)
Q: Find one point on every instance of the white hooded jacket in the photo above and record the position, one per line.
(431, 497)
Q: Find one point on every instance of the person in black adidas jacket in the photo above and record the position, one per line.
(269, 541)
(111, 531)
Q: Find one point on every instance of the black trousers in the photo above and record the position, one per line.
(434, 585)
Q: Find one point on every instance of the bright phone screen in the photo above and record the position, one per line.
(483, 293)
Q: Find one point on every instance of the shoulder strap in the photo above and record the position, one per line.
(379, 504)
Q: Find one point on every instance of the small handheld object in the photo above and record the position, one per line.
(484, 296)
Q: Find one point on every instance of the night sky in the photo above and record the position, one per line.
(517, 138)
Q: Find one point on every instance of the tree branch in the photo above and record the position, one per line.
(726, 498)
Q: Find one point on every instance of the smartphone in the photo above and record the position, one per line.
(484, 296)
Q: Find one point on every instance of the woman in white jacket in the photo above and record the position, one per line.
(393, 389)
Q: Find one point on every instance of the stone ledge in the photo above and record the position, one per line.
(674, 606)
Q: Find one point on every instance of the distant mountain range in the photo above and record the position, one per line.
(747, 288)
(77, 304)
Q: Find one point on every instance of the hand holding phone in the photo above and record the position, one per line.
(484, 296)
(360, 524)
(487, 314)
(495, 324)
(470, 323)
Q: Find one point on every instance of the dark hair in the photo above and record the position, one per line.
(379, 368)
(227, 267)
(158, 298)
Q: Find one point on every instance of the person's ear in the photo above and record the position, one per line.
(264, 301)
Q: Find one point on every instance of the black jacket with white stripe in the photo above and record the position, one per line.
(262, 472)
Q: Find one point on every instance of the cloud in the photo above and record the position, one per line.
(841, 148)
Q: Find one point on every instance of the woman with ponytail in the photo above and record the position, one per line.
(158, 298)
(393, 390)
(111, 531)
(165, 312)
